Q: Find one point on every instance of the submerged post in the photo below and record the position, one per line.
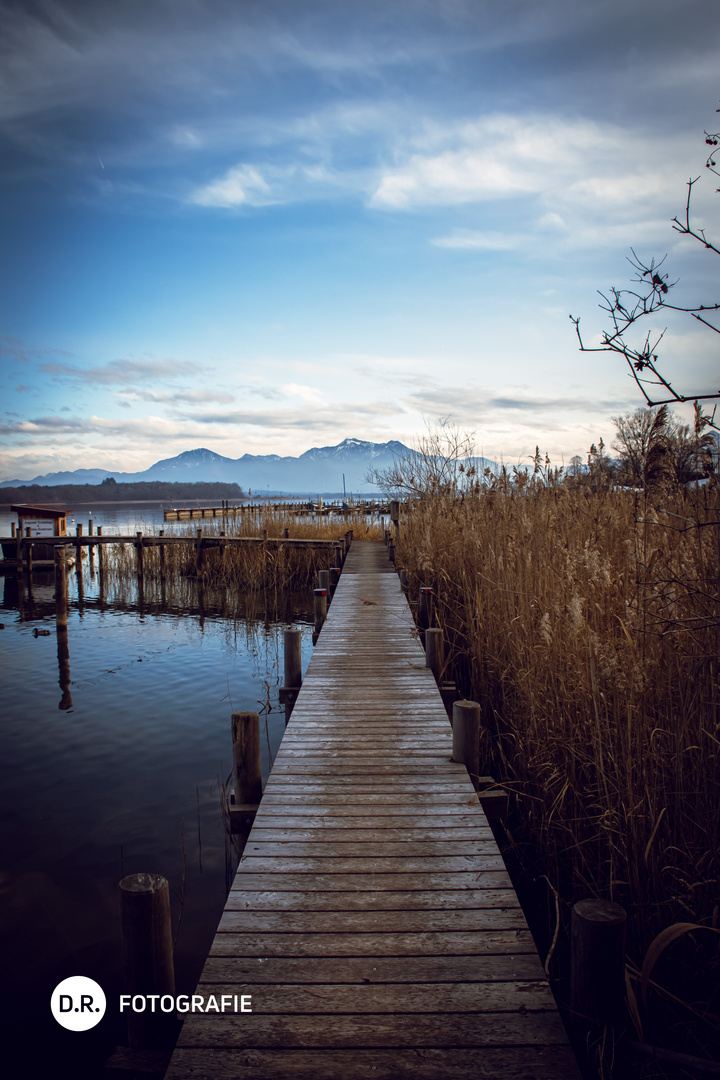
(139, 553)
(466, 737)
(320, 608)
(434, 651)
(246, 759)
(148, 957)
(597, 962)
(292, 670)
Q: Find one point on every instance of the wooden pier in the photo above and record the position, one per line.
(298, 509)
(372, 920)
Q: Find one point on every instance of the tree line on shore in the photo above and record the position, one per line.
(112, 491)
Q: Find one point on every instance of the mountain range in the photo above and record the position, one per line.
(319, 470)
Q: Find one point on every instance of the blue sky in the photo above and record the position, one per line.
(264, 226)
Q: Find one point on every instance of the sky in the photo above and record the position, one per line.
(259, 226)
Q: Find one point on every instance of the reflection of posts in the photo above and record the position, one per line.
(61, 625)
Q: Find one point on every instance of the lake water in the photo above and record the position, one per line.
(118, 772)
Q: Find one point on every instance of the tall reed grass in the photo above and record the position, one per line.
(586, 623)
(252, 566)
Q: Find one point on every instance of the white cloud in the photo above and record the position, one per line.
(240, 186)
(479, 241)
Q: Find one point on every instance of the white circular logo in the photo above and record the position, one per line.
(78, 1003)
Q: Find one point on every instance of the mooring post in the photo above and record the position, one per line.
(148, 957)
(28, 550)
(466, 737)
(292, 670)
(162, 556)
(395, 518)
(334, 578)
(324, 581)
(199, 551)
(91, 526)
(338, 555)
(246, 760)
(320, 608)
(425, 611)
(139, 553)
(404, 583)
(597, 962)
(434, 651)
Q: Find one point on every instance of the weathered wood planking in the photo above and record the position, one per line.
(371, 918)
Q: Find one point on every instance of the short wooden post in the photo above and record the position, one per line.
(425, 610)
(79, 529)
(395, 518)
(139, 553)
(324, 581)
(434, 651)
(466, 737)
(148, 957)
(338, 554)
(597, 961)
(61, 589)
(199, 551)
(246, 758)
(12, 529)
(28, 550)
(320, 608)
(99, 531)
(404, 583)
(287, 534)
(91, 526)
(292, 670)
(334, 578)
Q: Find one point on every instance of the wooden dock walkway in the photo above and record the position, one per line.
(372, 919)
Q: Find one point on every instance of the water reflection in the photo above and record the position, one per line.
(116, 756)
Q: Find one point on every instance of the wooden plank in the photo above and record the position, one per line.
(337, 865)
(368, 847)
(365, 883)
(409, 900)
(550, 1062)
(258, 971)
(432, 943)
(387, 998)
(371, 921)
(466, 1030)
(298, 833)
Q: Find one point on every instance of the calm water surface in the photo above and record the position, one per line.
(116, 773)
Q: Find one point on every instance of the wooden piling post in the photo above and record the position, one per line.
(324, 581)
(287, 534)
(246, 759)
(319, 608)
(404, 583)
(147, 957)
(139, 553)
(425, 610)
(466, 737)
(597, 962)
(434, 651)
(338, 555)
(28, 550)
(199, 551)
(292, 670)
(334, 578)
(61, 589)
(91, 526)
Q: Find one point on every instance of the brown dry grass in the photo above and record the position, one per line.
(586, 624)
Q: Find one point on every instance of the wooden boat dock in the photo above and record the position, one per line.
(372, 920)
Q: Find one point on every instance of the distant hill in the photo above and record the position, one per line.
(318, 470)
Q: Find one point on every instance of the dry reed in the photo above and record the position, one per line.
(586, 624)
